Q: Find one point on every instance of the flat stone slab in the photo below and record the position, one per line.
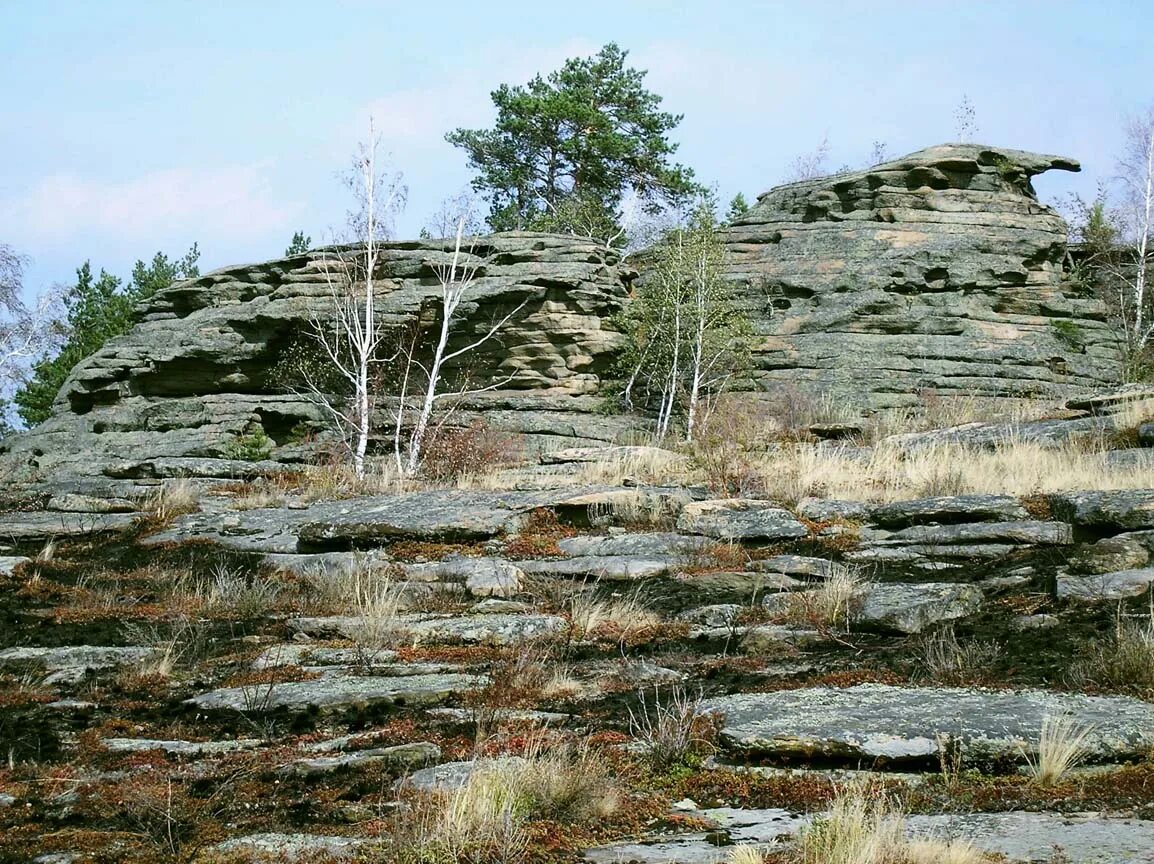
(656, 545)
(833, 510)
(338, 693)
(493, 628)
(1084, 838)
(8, 563)
(1020, 836)
(911, 608)
(795, 565)
(303, 654)
(439, 515)
(76, 657)
(900, 724)
(949, 509)
(178, 748)
(769, 828)
(41, 525)
(292, 847)
(1118, 509)
(1025, 532)
(740, 519)
(611, 567)
(403, 756)
(1106, 586)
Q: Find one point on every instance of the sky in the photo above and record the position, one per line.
(132, 127)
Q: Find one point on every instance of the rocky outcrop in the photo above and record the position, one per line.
(209, 362)
(937, 271)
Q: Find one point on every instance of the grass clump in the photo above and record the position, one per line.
(864, 827)
(1062, 745)
(676, 731)
(1125, 661)
(486, 818)
(172, 499)
(945, 660)
(592, 617)
(833, 605)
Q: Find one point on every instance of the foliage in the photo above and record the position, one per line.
(589, 131)
(738, 207)
(453, 454)
(99, 308)
(1068, 333)
(253, 446)
(299, 245)
(687, 340)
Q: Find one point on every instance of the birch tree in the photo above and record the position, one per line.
(27, 331)
(687, 339)
(1136, 175)
(350, 335)
(456, 277)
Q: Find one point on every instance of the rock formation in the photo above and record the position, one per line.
(204, 366)
(937, 271)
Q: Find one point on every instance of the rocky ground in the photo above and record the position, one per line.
(214, 669)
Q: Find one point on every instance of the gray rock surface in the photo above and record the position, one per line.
(740, 519)
(911, 608)
(895, 724)
(949, 509)
(1025, 532)
(937, 270)
(609, 567)
(178, 748)
(335, 693)
(1120, 552)
(1111, 510)
(292, 847)
(402, 756)
(494, 628)
(76, 657)
(656, 545)
(1106, 586)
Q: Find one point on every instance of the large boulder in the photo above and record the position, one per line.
(206, 365)
(940, 270)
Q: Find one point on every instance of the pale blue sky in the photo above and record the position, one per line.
(135, 126)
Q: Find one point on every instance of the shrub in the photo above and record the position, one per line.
(676, 731)
(253, 446)
(948, 661)
(454, 454)
(1125, 661)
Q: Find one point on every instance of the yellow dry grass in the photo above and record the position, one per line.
(889, 474)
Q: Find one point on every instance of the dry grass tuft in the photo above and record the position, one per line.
(866, 827)
(485, 819)
(1123, 662)
(890, 473)
(947, 661)
(832, 605)
(1060, 747)
(173, 498)
(592, 617)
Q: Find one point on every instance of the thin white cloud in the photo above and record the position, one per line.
(233, 203)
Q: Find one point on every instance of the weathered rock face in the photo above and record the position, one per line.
(940, 270)
(206, 362)
(937, 271)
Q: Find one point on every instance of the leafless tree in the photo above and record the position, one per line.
(1136, 177)
(26, 332)
(456, 278)
(350, 334)
(809, 165)
(965, 121)
(452, 210)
